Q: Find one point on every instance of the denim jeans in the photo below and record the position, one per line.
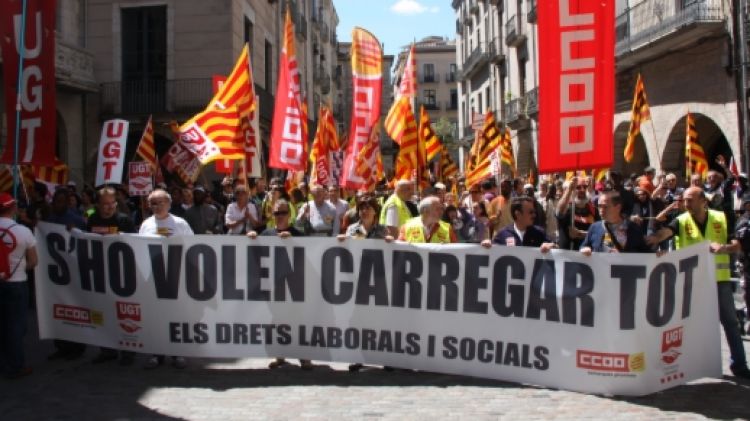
(14, 307)
(728, 318)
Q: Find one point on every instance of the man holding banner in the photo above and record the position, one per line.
(613, 234)
(694, 226)
(107, 221)
(522, 232)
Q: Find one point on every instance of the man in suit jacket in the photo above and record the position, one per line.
(522, 232)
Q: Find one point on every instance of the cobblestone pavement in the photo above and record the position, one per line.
(246, 389)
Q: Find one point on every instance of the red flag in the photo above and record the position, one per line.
(367, 65)
(38, 128)
(326, 141)
(576, 84)
(288, 128)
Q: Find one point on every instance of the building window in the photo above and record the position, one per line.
(452, 73)
(430, 102)
(487, 98)
(268, 53)
(144, 58)
(454, 99)
(249, 32)
(428, 73)
(479, 102)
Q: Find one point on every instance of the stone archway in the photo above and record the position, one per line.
(710, 137)
(640, 157)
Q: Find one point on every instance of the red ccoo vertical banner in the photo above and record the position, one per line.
(37, 100)
(576, 84)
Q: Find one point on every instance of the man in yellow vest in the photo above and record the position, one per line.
(427, 227)
(698, 224)
(395, 211)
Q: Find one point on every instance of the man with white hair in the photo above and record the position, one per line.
(396, 210)
(319, 216)
(428, 227)
(164, 224)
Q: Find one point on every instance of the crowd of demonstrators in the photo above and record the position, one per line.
(637, 214)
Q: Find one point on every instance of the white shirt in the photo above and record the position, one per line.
(167, 227)
(341, 207)
(19, 239)
(235, 214)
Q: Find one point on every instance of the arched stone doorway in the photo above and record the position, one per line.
(640, 156)
(710, 137)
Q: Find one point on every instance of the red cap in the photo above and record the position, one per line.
(6, 200)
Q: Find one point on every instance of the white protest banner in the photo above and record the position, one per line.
(628, 324)
(111, 158)
(140, 178)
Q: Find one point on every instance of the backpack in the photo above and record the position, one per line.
(5, 250)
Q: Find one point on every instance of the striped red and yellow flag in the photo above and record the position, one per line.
(146, 147)
(481, 172)
(6, 178)
(639, 113)
(398, 120)
(489, 140)
(212, 134)
(448, 168)
(238, 90)
(599, 174)
(57, 174)
(427, 136)
(695, 157)
(506, 152)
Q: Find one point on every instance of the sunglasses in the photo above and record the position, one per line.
(280, 213)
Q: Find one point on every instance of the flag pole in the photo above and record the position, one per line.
(656, 142)
(17, 135)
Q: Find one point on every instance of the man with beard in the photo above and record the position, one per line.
(107, 221)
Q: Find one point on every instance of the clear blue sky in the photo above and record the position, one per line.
(396, 23)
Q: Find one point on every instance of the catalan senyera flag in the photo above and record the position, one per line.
(695, 157)
(57, 174)
(427, 136)
(367, 87)
(599, 174)
(639, 113)
(482, 170)
(206, 132)
(407, 158)
(326, 141)
(288, 141)
(506, 152)
(490, 139)
(397, 119)
(237, 90)
(370, 162)
(448, 168)
(146, 147)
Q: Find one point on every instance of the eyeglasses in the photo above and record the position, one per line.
(280, 213)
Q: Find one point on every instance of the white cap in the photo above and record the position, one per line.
(439, 186)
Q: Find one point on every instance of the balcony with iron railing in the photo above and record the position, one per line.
(143, 97)
(474, 61)
(430, 105)
(497, 55)
(451, 105)
(516, 113)
(428, 78)
(669, 24)
(301, 27)
(450, 77)
(531, 16)
(515, 35)
(532, 102)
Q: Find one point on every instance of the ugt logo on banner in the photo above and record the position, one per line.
(111, 157)
(576, 84)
